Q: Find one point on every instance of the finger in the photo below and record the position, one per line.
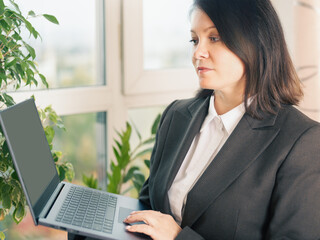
(141, 217)
(144, 211)
(141, 228)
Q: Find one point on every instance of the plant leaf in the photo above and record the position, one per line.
(10, 61)
(144, 152)
(155, 124)
(44, 80)
(49, 131)
(15, 6)
(51, 18)
(62, 173)
(31, 13)
(130, 174)
(90, 182)
(18, 213)
(69, 171)
(30, 50)
(147, 163)
(136, 130)
(8, 100)
(1, 7)
(6, 201)
(150, 140)
(2, 236)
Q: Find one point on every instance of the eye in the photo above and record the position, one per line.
(194, 41)
(214, 39)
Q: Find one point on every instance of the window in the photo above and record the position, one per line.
(69, 52)
(72, 57)
(160, 60)
(166, 34)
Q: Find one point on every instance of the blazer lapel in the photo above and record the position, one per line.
(185, 124)
(248, 140)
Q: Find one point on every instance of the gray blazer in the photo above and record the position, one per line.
(263, 184)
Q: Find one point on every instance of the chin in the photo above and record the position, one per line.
(205, 85)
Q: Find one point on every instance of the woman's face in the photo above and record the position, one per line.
(217, 67)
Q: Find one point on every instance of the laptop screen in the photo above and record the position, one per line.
(29, 148)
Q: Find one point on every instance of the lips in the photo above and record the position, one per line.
(203, 69)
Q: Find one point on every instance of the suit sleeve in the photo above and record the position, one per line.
(188, 234)
(295, 202)
(144, 196)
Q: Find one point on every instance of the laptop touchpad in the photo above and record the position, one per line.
(125, 212)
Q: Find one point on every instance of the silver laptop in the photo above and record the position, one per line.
(53, 203)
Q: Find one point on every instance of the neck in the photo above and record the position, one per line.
(223, 103)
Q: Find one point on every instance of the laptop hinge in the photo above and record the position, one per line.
(45, 211)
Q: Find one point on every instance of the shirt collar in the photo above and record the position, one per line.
(229, 119)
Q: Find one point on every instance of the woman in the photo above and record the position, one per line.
(238, 161)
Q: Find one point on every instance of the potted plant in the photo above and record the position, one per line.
(18, 68)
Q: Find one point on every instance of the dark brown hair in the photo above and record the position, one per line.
(252, 30)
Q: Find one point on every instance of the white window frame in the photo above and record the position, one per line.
(137, 80)
(128, 84)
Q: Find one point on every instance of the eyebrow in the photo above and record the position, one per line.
(208, 28)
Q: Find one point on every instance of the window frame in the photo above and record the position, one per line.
(137, 80)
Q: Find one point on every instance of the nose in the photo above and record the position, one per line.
(201, 51)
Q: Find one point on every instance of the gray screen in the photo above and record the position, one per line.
(30, 148)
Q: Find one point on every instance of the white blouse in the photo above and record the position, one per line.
(214, 132)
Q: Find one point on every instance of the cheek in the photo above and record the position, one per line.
(232, 64)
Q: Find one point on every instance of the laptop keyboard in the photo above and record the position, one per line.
(89, 209)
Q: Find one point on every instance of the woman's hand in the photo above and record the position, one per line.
(157, 225)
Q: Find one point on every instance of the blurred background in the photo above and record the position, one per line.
(112, 61)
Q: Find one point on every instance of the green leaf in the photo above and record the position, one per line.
(2, 236)
(90, 182)
(51, 18)
(62, 173)
(10, 61)
(3, 39)
(147, 163)
(138, 176)
(138, 180)
(30, 50)
(142, 153)
(18, 213)
(16, 36)
(137, 131)
(155, 124)
(15, 6)
(6, 201)
(5, 25)
(2, 74)
(130, 174)
(44, 80)
(118, 145)
(49, 131)
(1, 7)
(148, 141)
(116, 153)
(31, 13)
(8, 100)
(69, 175)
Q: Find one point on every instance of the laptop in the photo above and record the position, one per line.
(54, 203)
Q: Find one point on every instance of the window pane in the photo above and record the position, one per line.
(143, 119)
(166, 35)
(68, 53)
(26, 230)
(84, 144)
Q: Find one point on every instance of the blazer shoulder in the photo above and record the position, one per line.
(294, 116)
(182, 104)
